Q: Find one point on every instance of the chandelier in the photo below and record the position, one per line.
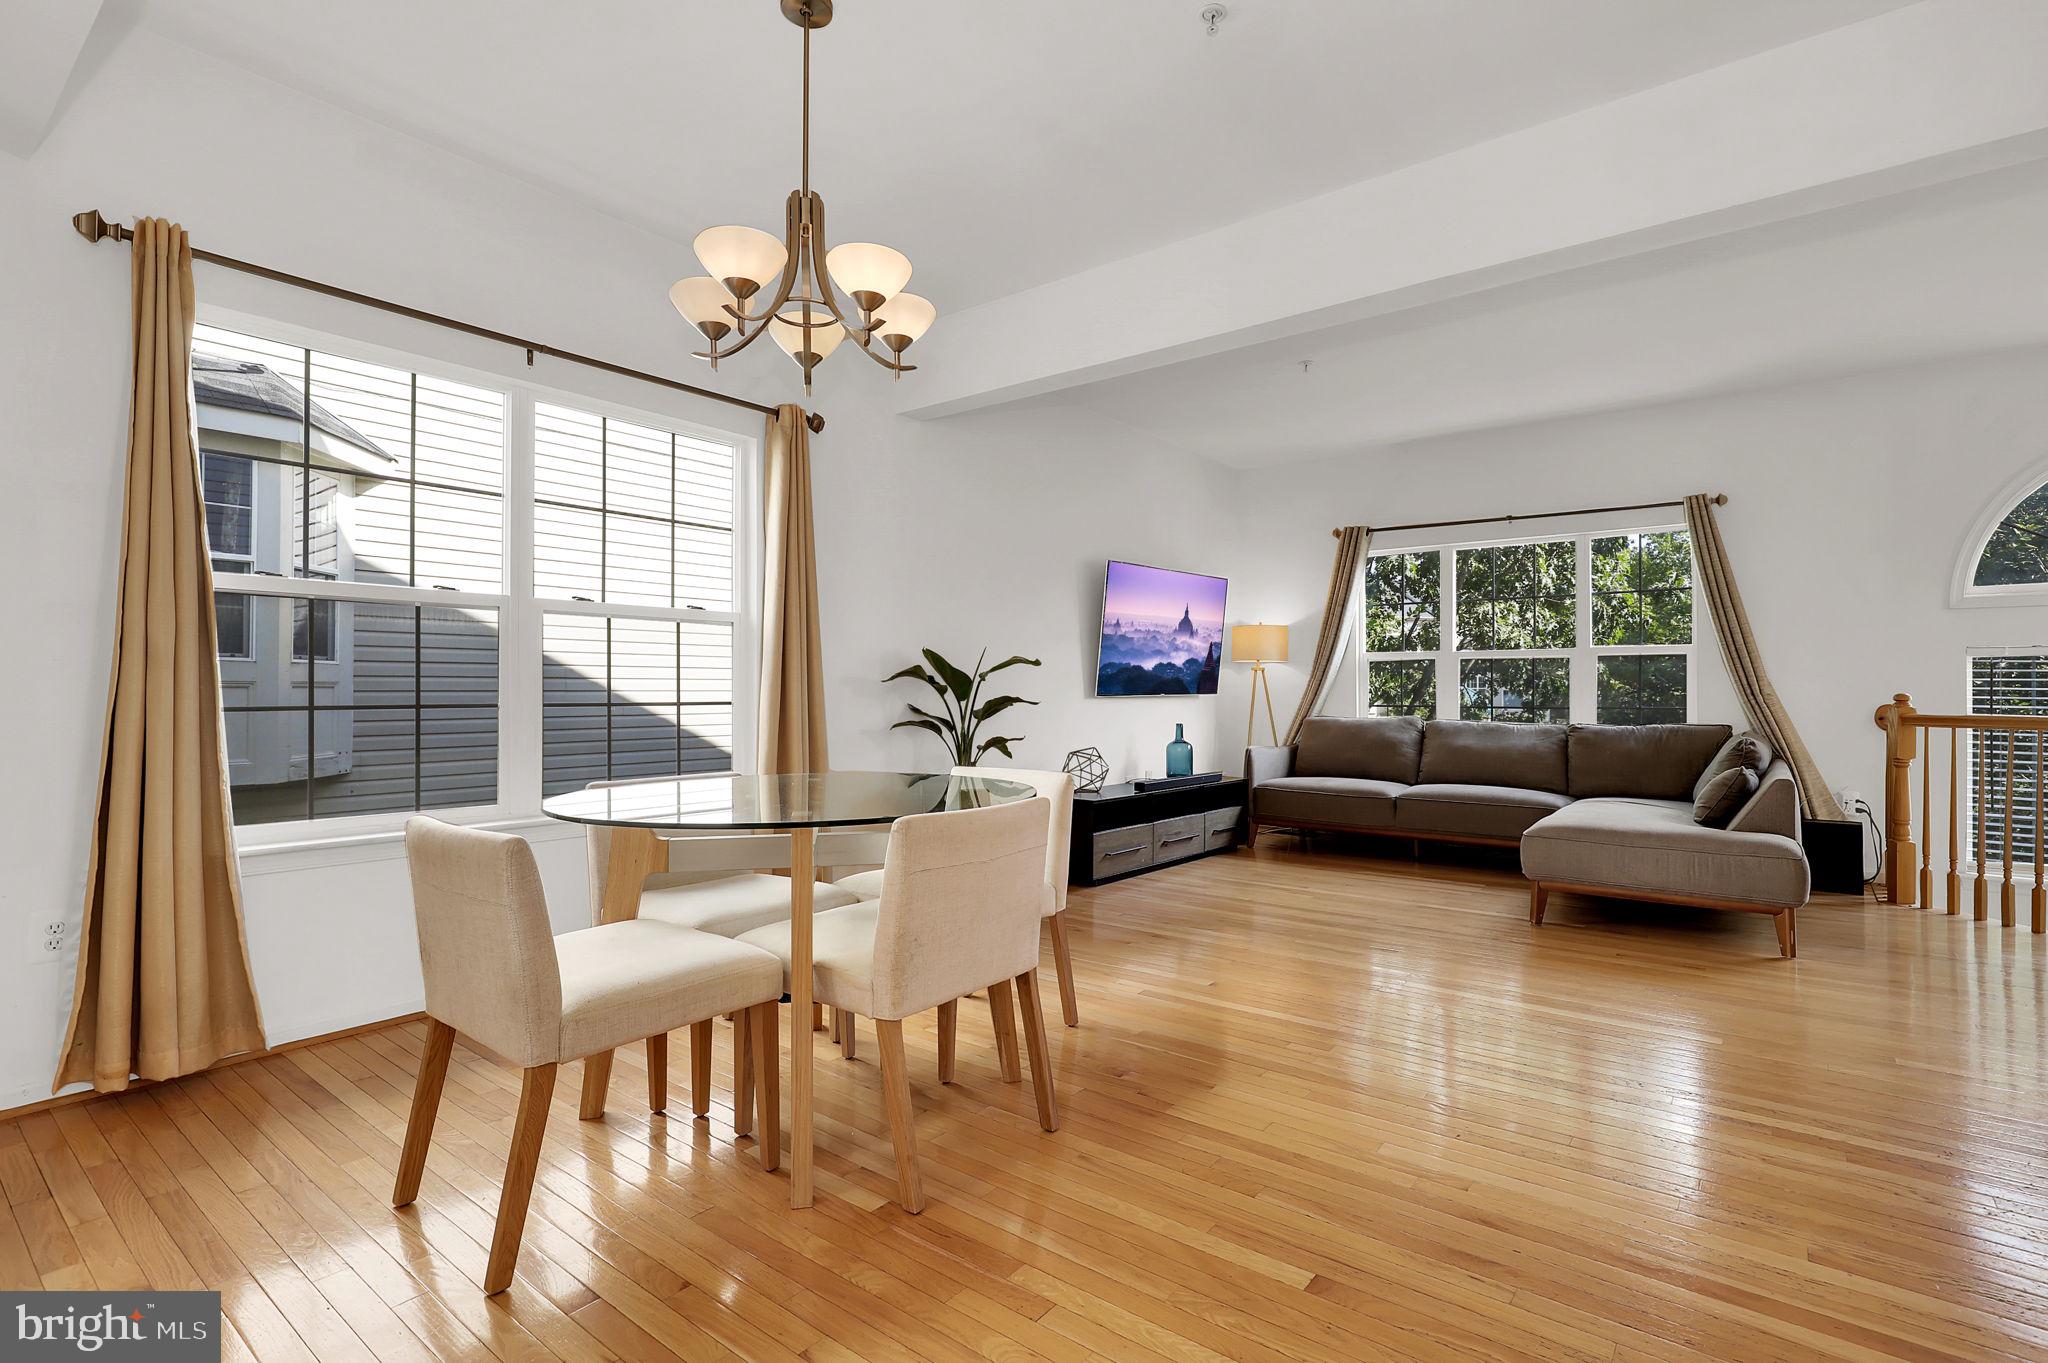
(798, 274)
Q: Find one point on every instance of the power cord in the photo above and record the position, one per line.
(1876, 840)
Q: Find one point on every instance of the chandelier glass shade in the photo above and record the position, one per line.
(789, 287)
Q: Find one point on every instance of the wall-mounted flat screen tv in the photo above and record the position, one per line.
(1162, 632)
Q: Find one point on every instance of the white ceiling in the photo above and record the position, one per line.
(1942, 272)
(1000, 144)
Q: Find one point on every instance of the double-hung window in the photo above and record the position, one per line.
(1594, 627)
(443, 591)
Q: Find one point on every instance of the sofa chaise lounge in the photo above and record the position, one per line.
(1619, 811)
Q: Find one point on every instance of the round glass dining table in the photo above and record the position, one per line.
(798, 804)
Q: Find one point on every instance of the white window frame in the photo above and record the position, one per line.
(1584, 659)
(518, 610)
(1963, 589)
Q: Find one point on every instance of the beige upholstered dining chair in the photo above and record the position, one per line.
(962, 896)
(495, 973)
(1058, 787)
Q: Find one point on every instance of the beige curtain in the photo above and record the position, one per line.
(792, 709)
(1352, 543)
(163, 983)
(1746, 664)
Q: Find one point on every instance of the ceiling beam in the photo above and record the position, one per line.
(40, 43)
(1913, 97)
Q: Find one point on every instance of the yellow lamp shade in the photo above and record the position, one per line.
(1258, 643)
(906, 315)
(870, 274)
(703, 300)
(743, 254)
(788, 331)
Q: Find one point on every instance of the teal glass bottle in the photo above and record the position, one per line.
(1180, 755)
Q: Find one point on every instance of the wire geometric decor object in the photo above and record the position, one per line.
(1088, 767)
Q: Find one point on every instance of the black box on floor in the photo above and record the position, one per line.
(1834, 854)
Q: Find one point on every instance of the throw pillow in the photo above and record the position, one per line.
(1723, 795)
(1743, 750)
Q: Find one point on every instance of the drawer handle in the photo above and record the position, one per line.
(1185, 837)
(1123, 851)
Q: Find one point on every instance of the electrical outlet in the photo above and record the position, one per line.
(56, 933)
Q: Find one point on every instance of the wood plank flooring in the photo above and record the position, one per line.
(1321, 1108)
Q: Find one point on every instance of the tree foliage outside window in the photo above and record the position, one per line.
(1403, 603)
(2017, 552)
(1641, 688)
(1642, 588)
(1401, 686)
(1515, 690)
(1517, 596)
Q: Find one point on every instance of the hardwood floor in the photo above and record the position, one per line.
(1322, 1108)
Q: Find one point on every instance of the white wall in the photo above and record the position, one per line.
(958, 535)
(1849, 503)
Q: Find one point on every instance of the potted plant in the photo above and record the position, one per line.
(962, 710)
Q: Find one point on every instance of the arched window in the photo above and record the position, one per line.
(2016, 554)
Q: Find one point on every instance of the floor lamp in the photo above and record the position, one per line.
(1259, 645)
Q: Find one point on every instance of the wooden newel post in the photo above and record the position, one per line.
(1901, 741)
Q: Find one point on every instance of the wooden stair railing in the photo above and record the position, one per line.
(1904, 883)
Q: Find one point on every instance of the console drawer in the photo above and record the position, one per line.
(1175, 838)
(1219, 828)
(1122, 849)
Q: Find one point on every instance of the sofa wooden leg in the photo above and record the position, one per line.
(1788, 933)
(1539, 899)
(1251, 837)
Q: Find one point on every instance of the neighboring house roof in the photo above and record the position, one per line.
(247, 386)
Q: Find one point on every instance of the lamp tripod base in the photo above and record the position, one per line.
(1260, 684)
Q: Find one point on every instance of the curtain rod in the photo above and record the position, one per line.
(95, 228)
(1719, 499)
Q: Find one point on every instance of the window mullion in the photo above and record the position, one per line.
(519, 623)
(1447, 635)
(1584, 699)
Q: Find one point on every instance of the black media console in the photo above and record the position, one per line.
(1122, 831)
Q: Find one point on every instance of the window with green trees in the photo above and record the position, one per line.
(2016, 555)
(1586, 628)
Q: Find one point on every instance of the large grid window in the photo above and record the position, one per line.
(1586, 628)
(373, 616)
(2009, 764)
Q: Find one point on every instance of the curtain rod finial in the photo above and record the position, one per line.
(1720, 499)
(93, 227)
(816, 423)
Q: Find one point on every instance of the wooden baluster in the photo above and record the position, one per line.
(1980, 892)
(2006, 914)
(1954, 883)
(1927, 826)
(2040, 895)
(1899, 740)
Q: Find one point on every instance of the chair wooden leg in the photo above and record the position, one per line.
(817, 1017)
(426, 1101)
(1041, 1057)
(657, 1072)
(847, 1029)
(597, 1082)
(537, 1087)
(1788, 933)
(766, 1032)
(1063, 964)
(700, 1067)
(1539, 899)
(949, 1034)
(833, 1021)
(902, 1125)
(1002, 1011)
(743, 1073)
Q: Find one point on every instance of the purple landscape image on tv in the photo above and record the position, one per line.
(1162, 632)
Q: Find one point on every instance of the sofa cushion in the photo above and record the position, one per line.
(1473, 811)
(1344, 801)
(1467, 752)
(1376, 748)
(1742, 750)
(1653, 846)
(1649, 761)
(1720, 797)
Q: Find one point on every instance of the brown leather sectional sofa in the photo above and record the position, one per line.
(1620, 811)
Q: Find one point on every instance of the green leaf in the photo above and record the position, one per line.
(943, 720)
(921, 724)
(920, 674)
(999, 704)
(958, 682)
(1017, 660)
(1001, 745)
